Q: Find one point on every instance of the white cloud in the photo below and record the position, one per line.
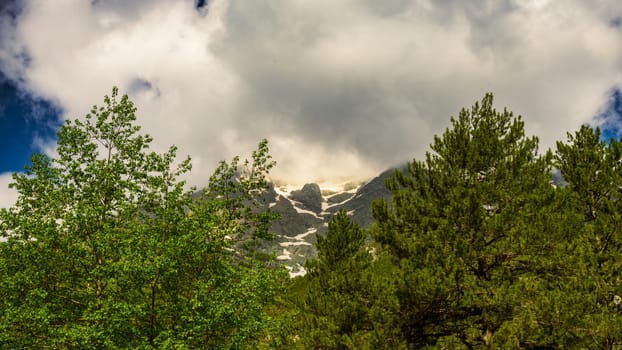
(8, 196)
(339, 88)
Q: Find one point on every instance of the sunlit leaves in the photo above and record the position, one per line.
(108, 249)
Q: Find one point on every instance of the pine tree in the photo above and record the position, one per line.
(335, 302)
(467, 229)
(343, 240)
(592, 293)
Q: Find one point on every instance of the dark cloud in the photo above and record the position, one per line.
(10, 8)
(199, 4)
(123, 8)
(389, 8)
(139, 85)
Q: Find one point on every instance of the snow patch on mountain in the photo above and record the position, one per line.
(304, 214)
(285, 256)
(305, 211)
(296, 271)
(289, 244)
(305, 234)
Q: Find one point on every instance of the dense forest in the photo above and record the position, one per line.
(478, 248)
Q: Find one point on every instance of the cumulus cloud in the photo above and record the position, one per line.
(340, 89)
(8, 196)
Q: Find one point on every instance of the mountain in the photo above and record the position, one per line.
(305, 213)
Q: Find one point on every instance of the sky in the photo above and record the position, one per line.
(341, 89)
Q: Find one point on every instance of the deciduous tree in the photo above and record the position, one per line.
(107, 249)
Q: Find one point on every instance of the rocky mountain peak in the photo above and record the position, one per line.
(310, 196)
(305, 212)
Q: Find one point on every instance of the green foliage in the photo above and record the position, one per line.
(236, 190)
(477, 249)
(343, 241)
(467, 230)
(593, 169)
(106, 249)
(334, 300)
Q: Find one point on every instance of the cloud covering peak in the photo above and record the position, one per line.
(342, 89)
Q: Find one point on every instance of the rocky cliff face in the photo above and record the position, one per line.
(309, 197)
(305, 214)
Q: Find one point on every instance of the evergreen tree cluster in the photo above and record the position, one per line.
(477, 249)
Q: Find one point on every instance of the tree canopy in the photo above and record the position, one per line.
(107, 249)
(486, 243)
(478, 248)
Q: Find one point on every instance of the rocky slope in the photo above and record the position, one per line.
(305, 212)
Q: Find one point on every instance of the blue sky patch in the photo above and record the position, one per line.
(24, 119)
(610, 118)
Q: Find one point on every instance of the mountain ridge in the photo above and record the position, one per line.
(305, 212)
